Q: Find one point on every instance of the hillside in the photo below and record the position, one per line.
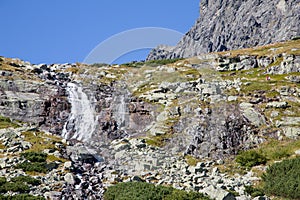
(186, 123)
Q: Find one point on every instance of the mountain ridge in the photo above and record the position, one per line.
(227, 25)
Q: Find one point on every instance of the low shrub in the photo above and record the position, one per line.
(254, 192)
(26, 179)
(2, 180)
(145, 191)
(33, 167)
(21, 197)
(14, 187)
(283, 179)
(250, 158)
(35, 156)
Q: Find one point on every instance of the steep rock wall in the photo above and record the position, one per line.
(226, 25)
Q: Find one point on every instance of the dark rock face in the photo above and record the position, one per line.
(225, 25)
(222, 132)
(35, 102)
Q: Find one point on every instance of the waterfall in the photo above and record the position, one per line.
(82, 121)
(120, 110)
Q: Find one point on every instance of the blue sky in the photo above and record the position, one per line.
(60, 31)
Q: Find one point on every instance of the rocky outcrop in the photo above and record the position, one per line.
(39, 100)
(226, 25)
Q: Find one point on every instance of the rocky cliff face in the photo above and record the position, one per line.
(225, 25)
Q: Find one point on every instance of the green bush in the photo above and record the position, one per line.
(21, 197)
(2, 180)
(254, 192)
(145, 191)
(14, 187)
(35, 156)
(33, 167)
(250, 158)
(283, 179)
(26, 179)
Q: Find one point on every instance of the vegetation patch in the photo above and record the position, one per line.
(34, 156)
(40, 141)
(5, 122)
(145, 191)
(268, 50)
(159, 140)
(152, 62)
(276, 150)
(33, 167)
(20, 185)
(14, 187)
(253, 191)
(250, 158)
(21, 197)
(36, 162)
(26, 179)
(192, 161)
(282, 179)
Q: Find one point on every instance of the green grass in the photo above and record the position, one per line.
(192, 161)
(279, 48)
(256, 86)
(158, 141)
(40, 141)
(52, 158)
(7, 123)
(277, 150)
(152, 63)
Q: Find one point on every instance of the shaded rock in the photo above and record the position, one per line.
(277, 105)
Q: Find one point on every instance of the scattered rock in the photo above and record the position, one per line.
(277, 105)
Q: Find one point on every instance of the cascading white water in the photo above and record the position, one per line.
(121, 111)
(82, 121)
